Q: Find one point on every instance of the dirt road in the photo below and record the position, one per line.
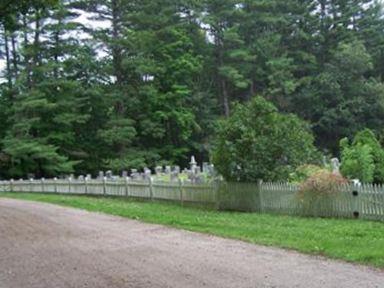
(46, 246)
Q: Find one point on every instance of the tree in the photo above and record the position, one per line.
(227, 48)
(370, 31)
(342, 99)
(269, 29)
(170, 45)
(257, 142)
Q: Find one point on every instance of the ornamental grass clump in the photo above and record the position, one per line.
(317, 194)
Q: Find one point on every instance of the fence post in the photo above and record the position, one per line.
(216, 187)
(30, 185)
(86, 184)
(260, 190)
(151, 188)
(69, 185)
(355, 202)
(11, 185)
(181, 192)
(55, 185)
(42, 185)
(126, 180)
(104, 185)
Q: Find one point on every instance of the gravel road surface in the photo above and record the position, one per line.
(47, 246)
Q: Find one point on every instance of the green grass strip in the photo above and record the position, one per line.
(350, 240)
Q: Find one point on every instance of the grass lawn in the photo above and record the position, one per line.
(351, 240)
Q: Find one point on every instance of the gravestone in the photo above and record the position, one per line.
(199, 179)
(191, 176)
(109, 174)
(158, 170)
(31, 176)
(211, 170)
(335, 166)
(205, 167)
(176, 169)
(147, 173)
(193, 163)
(135, 175)
(175, 174)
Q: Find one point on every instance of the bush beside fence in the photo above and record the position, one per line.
(351, 201)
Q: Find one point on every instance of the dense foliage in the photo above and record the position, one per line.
(256, 142)
(143, 82)
(303, 172)
(364, 158)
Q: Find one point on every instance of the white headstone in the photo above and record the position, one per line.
(335, 166)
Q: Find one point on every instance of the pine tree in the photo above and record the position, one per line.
(370, 31)
(269, 29)
(49, 104)
(346, 100)
(117, 132)
(166, 70)
(223, 31)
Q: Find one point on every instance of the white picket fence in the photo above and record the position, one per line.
(365, 201)
(172, 191)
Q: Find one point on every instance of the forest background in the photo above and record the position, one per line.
(147, 82)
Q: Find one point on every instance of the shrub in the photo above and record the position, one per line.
(257, 142)
(319, 190)
(322, 183)
(364, 158)
(303, 172)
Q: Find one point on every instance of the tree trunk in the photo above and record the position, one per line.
(26, 57)
(56, 54)
(323, 28)
(223, 86)
(8, 58)
(225, 97)
(221, 81)
(116, 49)
(36, 47)
(117, 66)
(14, 56)
(252, 90)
